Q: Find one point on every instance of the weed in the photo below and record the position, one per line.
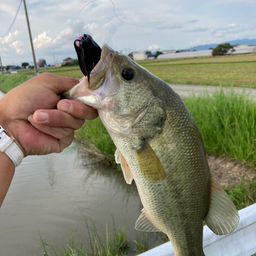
(141, 244)
(9, 82)
(94, 134)
(242, 194)
(113, 244)
(226, 121)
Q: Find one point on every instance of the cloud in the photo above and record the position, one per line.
(153, 47)
(169, 27)
(196, 29)
(42, 41)
(102, 34)
(69, 33)
(240, 1)
(9, 38)
(192, 21)
(18, 46)
(229, 29)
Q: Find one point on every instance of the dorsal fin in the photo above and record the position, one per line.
(144, 224)
(222, 217)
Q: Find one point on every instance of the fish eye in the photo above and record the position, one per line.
(128, 73)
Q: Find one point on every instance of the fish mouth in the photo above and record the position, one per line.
(95, 72)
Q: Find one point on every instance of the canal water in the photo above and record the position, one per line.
(52, 196)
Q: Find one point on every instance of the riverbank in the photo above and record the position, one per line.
(8, 82)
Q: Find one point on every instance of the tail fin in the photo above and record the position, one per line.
(222, 217)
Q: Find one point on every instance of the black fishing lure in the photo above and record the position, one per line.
(88, 53)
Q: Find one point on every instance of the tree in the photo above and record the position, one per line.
(222, 49)
(24, 64)
(157, 54)
(73, 63)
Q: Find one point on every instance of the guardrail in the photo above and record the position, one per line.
(241, 242)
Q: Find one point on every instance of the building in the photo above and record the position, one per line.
(41, 63)
(238, 50)
(67, 60)
(185, 54)
(139, 56)
(244, 49)
(168, 51)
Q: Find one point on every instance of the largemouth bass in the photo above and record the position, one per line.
(159, 147)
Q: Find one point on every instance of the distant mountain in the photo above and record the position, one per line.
(234, 42)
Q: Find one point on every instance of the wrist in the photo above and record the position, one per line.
(10, 148)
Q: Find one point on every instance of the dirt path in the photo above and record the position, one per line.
(230, 172)
(185, 90)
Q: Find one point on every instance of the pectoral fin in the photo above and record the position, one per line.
(144, 224)
(125, 167)
(149, 164)
(222, 217)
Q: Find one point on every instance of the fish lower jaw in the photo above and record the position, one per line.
(90, 100)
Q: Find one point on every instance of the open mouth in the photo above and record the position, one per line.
(96, 65)
(88, 53)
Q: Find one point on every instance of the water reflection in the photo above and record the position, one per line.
(54, 193)
(51, 171)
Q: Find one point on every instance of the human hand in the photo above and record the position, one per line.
(39, 121)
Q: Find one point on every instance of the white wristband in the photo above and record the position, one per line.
(10, 148)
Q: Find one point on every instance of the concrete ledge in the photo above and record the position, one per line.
(241, 242)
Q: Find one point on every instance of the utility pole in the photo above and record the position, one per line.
(1, 65)
(30, 37)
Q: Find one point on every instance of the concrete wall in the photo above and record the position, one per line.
(242, 242)
(139, 56)
(204, 53)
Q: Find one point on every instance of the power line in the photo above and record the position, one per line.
(13, 21)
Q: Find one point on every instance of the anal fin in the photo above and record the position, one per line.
(222, 217)
(144, 224)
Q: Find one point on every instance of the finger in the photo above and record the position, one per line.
(55, 118)
(77, 109)
(59, 133)
(58, 84)
(60, 137)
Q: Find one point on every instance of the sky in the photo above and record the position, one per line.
(134, 25)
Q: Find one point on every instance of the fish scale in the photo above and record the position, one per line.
(159, 147)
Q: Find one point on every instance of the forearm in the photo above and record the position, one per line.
(6, 174)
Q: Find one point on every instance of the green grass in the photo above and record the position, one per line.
(242, 194)
(225, 71)
(114, 243)
(9, 82)
(227, 124)
(71, 71)
(93, 135)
